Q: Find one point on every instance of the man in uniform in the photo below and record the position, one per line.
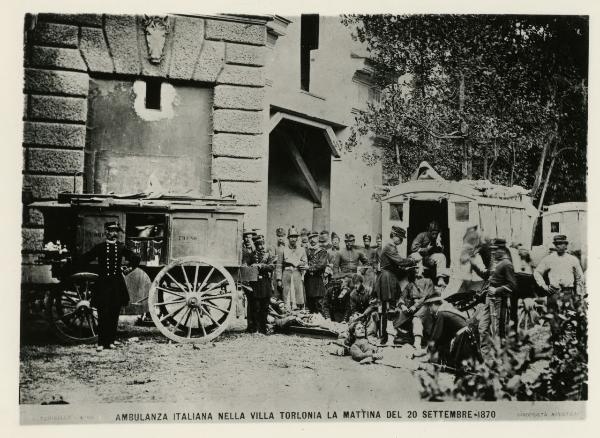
(324, 240)
(278, 251)
(386, 285)
(348, 259)
(258, 303)
(502, 284)
(313, 278)
(110, 291)
(426, 248)
(370, 272)
(290, 269)
(565, 279)
(304, 238)
(247, 245)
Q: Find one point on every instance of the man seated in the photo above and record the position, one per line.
(409, 321)
(361, 349)
(280, 316)
(427, 248)
(453, 339)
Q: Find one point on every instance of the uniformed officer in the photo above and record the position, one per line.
(110, 291)
(313, 278)
(262, 289)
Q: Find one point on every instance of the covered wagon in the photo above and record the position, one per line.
(498, 211)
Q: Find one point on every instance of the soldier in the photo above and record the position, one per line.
(386, 285)
(370, 272)
(348, 259)
(304, 238)
(247, 245)
(313, 278)
(290, 270)
(565, 279)
(502, 284)
(278, 251)
(426, 248)
(325, 243)
(110, 291)
(262, 289)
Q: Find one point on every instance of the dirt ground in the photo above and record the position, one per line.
(236, 367)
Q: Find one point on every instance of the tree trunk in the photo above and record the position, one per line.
(467, 168)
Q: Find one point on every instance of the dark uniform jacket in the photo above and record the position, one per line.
(503, 277)
(265, 260)
(386, 286)
(347, 261)
(359, 300)
(313, 278)
(110, 258)
(445, 327)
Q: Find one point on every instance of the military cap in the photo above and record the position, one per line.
(349, 237)
(258, 238)
(334, 235)
(248, 232)
(434, 226)
(303, 232)
(560, 238)
(313, 234)
(398, 231)
(292, 232)
(325, 233)
(323, 238)
(113, 225)
(280, 232)
(366, 237)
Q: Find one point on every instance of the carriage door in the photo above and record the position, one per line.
(461, 215)
(396, 211)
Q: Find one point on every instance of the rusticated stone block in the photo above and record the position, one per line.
(57, 57)
(187, 44)
(56, 82)
(236, 169)
(54, 161)
(32, 239)
(54, 134)
(212, 59)
(95, 51)
(58, 108)
(242, 75)
(237, 145)
(46, 187)
(245, 54)
(121, 32)
(236, 32)
(63, 35)
(77, 19)
(245, 193)
(243, 122)
(228, 96)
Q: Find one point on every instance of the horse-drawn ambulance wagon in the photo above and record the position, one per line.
(189, 247)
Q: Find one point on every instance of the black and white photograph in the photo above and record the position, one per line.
(311, 217)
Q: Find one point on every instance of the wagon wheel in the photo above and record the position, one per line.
(69, 310)
(192, 300)
(528, 315)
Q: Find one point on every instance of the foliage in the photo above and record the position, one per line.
(518, 369)
(493, 97)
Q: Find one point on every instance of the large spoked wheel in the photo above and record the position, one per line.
(69, 310)
(192, 300)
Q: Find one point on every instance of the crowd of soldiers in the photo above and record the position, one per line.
(370, 285)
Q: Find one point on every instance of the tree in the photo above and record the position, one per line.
(481, 96)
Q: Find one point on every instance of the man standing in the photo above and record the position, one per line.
(290, 270)
(386, 285)
(247, 245)
(502, 284)
(426, 248)
(313, 278)
(304, 238)
(258, 304)
(110, 291)
(565, 279)
(370, 273)
(278, 251)
(348, 259)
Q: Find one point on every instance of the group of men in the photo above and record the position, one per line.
(300, 266)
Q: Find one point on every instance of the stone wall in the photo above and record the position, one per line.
(63, 51)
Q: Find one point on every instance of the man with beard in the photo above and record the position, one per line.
(313, 278)
(386, 285)
(110, 291)
(258, 301)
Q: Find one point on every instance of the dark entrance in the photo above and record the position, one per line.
(421, 214)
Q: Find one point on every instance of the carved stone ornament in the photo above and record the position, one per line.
(156, 29)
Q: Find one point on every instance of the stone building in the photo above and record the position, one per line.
(258, 107)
